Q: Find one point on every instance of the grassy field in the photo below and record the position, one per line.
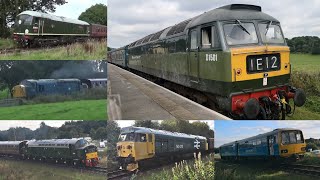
(12, 170)
(7, 43)
(71, 110)
(306, 75)
(253, 171)
(91, 50)
(305, 62)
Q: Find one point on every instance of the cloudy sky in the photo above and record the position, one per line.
(228, 131)
(74, 8)
(129, 20)
(33, 125)
(126, 123)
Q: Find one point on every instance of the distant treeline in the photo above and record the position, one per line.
(74, 129)
(313, 144)
(304, 44)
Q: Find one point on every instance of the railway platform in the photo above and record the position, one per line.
(132, 97)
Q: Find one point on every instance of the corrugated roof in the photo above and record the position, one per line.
(54, 142)
(53, 17)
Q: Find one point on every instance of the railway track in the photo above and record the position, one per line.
(310, 170)
(118, 174)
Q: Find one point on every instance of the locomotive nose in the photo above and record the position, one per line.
(251, 108)
(299, 97)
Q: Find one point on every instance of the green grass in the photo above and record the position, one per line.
(201, 169)
(254, 171)
(71, 110)
(7, 43)
(305, 62)
(310, 159)
(12, 170)
(91, 50)
(306, 75)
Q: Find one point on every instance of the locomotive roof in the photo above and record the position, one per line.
(50, 80)
(54, 142)
(232, 12)
(53, 17)
(262, 135)
(133, 129)
(98, 79)
(228, 12)
(10, 142)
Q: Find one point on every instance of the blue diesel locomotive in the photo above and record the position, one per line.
(277, 144)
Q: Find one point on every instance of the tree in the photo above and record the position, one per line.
(9, 9)
(96, 14)
(147, 124)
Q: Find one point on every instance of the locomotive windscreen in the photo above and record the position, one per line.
(24, 19)
(292, 137)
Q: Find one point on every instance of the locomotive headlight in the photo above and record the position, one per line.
(303, 149)
(286, 65)
(129, 147)
(26, 31)
(238, 72)
(284, 151)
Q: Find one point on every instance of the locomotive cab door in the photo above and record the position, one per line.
(193, 55)
(150, 144)
(271, 143)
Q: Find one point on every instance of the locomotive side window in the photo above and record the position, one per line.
(194, 40)
(141, 138)
(206, 37)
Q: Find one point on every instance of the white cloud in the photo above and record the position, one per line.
(74, 8)
(131, 20)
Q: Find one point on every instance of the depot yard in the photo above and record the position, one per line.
(82, 110)
(12, 170)
(90, 50)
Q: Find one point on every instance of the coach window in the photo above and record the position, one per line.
(194, 39)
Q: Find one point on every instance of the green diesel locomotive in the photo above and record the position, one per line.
(234, 57)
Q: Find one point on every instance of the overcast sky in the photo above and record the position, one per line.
(130, 20)
(229, 131)
(33, 125)
(74, 8)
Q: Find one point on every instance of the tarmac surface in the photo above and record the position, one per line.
(132, 97)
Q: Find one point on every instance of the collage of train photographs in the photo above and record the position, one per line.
(159, 90)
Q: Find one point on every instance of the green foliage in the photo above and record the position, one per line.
(199, 170)
(83, 110)
(96, 14)
(304, 44)
(311, 146)
(7, 43)
(73, 129)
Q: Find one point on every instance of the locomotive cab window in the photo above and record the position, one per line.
(271, 33)
(292, 137)
(209, 38)
(141, 138)
(240, 33)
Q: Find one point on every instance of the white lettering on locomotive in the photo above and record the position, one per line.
(211, 57)
(179, 146)
(274, 62)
